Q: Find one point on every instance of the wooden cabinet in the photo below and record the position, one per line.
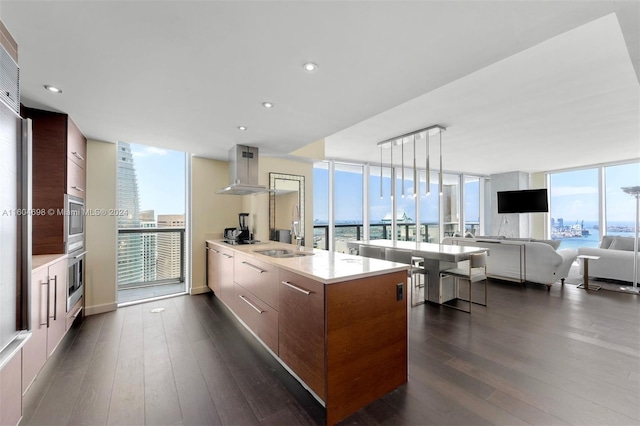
(346, 340)
(261, 318)
(59, 154)
(48, 317)
(213, 268)
(11, 391)
(260, 278)
(301, 329)
(226, 275)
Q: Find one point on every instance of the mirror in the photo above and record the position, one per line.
(287, 191)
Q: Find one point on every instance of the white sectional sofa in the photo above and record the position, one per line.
(522, 260)
(616, 258)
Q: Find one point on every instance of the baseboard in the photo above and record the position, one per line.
(100, 309)
(199, 290)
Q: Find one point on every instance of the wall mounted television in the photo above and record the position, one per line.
(523, 201)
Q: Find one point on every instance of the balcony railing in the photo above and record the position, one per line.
(150, 256)
(352, 232)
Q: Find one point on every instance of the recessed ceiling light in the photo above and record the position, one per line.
(267, 104)
(310, 67)
(243, 128)
(53, 89)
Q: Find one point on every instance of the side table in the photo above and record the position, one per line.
(585, 272)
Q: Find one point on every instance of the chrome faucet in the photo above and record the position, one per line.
(295, 225)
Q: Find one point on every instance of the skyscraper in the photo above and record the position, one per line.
(130, 247)
(149, 246)
(169, 249)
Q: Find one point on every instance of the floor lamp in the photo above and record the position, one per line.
(635, 192)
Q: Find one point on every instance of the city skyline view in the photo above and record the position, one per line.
(147, 257)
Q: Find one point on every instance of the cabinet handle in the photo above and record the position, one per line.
(78, 156)
(48, 301)
(77, 188)
(78, 256)
(255, 268)
(260, 311)
(213, 250)
(228, 256)
(74, 316)
(55, 297)
(301, 290)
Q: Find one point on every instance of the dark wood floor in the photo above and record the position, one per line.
(534, 356)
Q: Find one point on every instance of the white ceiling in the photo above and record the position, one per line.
(520, 85)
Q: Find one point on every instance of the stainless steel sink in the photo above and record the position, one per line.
(282, 253)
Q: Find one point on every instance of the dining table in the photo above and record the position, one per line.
(437, 258)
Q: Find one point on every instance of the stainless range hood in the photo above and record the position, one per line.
(243, 172)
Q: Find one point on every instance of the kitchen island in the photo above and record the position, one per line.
(337, 322)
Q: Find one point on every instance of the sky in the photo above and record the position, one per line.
(161, 179)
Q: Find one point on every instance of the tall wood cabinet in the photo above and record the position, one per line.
(59, 153)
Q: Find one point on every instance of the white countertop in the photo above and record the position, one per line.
(324, 266)
(43, 260)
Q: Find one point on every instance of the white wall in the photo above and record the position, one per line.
(518, 223)
(538, 220)
(210, 213)
(101, 230)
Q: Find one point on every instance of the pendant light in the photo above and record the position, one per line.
(428, 192)
(441, 172)
(381, 196)
(415, 169)
(393, 178)
(402, 164)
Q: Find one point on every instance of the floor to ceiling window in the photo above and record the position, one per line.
(380, 206)
(472, 205)
(343, 211)
(620, 206)
(348, 205)
(450, 204)
(574, 208)
(429, 208)
(151, 189)
(321, 205)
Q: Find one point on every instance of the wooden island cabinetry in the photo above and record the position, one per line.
(341, 329)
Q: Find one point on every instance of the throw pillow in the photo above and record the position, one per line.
(606, 241)
(622, 243)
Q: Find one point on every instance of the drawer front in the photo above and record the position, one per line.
(301, 332)
(226, 263)
(258, 277)
(76, 180)
(261, 318)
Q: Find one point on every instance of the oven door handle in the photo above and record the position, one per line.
(78, 256)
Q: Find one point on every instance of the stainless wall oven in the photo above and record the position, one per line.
(75, 279)
(74, 223)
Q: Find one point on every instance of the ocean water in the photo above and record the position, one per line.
(593, 239)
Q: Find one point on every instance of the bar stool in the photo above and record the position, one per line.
(370, 251)
(473, 270)
(405, 256)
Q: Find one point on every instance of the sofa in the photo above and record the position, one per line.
(616, 258)
(522, 259)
